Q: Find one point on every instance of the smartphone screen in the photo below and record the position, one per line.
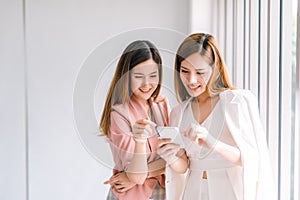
(172, 133)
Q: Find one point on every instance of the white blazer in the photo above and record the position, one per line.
(243, 120)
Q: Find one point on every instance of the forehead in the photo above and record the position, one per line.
(195, 61)
(144, 67)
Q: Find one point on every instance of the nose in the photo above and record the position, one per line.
(145, 80)
(192, 78)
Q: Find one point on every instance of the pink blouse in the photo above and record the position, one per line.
(123, 117)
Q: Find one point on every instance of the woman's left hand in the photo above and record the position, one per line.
(200, 135)
(120, 181)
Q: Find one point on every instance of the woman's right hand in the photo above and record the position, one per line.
(141, 130)
(167, 150)
(120, 181)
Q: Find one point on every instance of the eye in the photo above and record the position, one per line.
(200, 73)
(138, 76)
(153, 76)
(184, 71)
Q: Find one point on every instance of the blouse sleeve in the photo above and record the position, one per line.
(265, 182)
(239, 123)
(243, 120)
(121, 141)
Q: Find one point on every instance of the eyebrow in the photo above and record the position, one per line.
(138, 73)
(199, 69)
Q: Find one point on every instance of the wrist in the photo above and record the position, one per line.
(148, 174)
(140, 141)
(171, 159)
(140, 148)
(210, 141)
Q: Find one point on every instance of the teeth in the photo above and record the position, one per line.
(145, 90)
(194, 87)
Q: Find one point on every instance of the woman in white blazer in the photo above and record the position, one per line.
(224, 138)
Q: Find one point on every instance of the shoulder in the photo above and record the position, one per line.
(237, 96)
(181, 106)
(118, 107)
(160, 99)
(177, 111)
(120, 110)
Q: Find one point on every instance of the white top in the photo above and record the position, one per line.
(234, 121)
(202, 158)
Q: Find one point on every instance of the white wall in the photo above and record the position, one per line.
(201, 16)
(59, 35)
(12, 103)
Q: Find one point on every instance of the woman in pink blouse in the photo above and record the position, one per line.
(132, 107)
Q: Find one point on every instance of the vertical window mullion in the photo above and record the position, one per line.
(239, 55)
(246, 45)
(285, 72)
(273, 85)
(263, 62)
(229, 38)
(297, 112)
(253, 46)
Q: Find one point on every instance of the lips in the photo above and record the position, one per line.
(194, 87)
(145, 90)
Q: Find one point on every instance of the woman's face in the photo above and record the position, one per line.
(144, 79)
(195, 72)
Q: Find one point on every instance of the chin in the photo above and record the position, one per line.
(144, 97)
(195, 94)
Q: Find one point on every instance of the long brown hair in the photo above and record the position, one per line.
(206, 46)
(119, 92)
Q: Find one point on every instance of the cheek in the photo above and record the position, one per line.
(182, 78)
(207, 77)
(155, 81)
(134, 84)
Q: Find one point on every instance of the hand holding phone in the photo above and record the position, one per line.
(172, 133)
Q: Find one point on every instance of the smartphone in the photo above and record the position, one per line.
(172, 133)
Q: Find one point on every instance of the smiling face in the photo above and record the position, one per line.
(195, 72)
(144, 79)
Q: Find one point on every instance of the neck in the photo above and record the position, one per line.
(142, 102)
(203, 97)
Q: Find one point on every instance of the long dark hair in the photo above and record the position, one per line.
(119, 92)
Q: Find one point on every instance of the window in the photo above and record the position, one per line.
(258, 39)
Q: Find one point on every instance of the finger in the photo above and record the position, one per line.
(142, 121)
(184, 133)
(200, 135)
(110, 181)
(200, 141)
(169, 147)
(172, 149)
(170, 153)
(200, 129)
(138, 128)
(163, 141)
(119, 187)
(124, 189)
(149, 123)
(148, 130)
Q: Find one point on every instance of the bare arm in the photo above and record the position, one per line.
(122, 183)
(173, 155)
(156, 168)
(181, 165)
(229, 152)
(137, 170)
